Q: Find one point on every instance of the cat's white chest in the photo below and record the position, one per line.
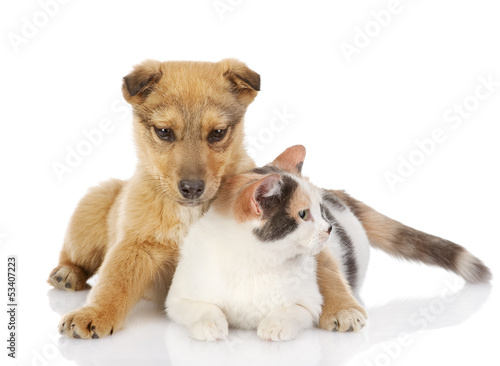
(245, 279)
(256, 292)
(253, 297)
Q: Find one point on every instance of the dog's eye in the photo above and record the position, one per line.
(304, 215)
(165, 134)
(216, 135)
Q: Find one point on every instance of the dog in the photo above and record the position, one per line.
(188, 130)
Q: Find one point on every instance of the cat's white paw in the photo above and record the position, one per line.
(210, 329)
(277, 329)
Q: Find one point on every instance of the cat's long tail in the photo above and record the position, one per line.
(405, 242)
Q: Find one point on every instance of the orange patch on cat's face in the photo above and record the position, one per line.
(300, 201)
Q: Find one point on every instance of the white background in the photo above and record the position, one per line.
(357, 119)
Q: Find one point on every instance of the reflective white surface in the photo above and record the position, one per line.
(435, 320)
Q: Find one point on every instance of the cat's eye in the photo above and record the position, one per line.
(304, 215)
(216, 135)
(166, 134)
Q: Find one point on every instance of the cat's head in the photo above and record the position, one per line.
(281, 205)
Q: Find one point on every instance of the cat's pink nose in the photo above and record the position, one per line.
(329, 229)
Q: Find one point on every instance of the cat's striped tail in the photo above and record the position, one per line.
(405, 242)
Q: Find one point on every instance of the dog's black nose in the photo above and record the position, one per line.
(191, 189)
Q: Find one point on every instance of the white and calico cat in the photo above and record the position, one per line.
(250, 261)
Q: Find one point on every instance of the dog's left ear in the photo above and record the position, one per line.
(291, 160)
(140, 82)
(245, 82)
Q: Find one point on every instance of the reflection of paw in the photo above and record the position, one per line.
(69, 278)
(62, 302)
(210, 329)
(345, 320)
(87, 322)
(276, 329)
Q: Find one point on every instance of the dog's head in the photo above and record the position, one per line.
(188, 123)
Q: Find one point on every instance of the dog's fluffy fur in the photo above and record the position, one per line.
(130, 230)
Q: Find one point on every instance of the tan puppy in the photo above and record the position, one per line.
(188, 126)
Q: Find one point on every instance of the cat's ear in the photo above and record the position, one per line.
(266, 189)
(257, 196)
(291, 160)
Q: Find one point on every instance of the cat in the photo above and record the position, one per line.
(251, 261)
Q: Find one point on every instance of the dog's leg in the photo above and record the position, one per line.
(128, 269)
(341, 311)
(86, 239)
(69, 276)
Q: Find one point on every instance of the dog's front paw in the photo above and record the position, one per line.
(351, 319)
(68, 278)
(277, 329)
(210, 329)
(86, 323)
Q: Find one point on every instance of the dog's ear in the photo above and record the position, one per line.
(139, 83)
(244, 81)
(291, 160)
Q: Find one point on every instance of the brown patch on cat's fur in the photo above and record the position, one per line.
(131, 230)
(341, 311)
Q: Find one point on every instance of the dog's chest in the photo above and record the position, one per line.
(177, 230)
